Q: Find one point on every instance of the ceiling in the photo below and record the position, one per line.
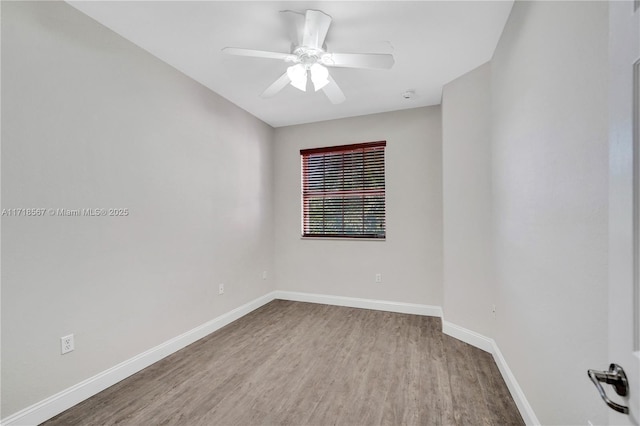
(433, 42)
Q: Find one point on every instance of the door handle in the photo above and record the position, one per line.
(614, 377)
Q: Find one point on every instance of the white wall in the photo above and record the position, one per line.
(91, 121)
(410, 260)
(550, 170)
(466, 179)
(548, 162)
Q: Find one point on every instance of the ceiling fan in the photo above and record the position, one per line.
(309, 55)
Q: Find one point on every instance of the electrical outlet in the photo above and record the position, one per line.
(66, 344)
(264, 275)
(378, 277)
(221, 289)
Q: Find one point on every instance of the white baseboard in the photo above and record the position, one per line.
(354, 302)
(526, 411)
(467, 336)
(489, 345)
(69, 397)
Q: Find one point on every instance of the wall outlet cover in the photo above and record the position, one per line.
(67, 344)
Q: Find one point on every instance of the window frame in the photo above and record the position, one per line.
(362, 191)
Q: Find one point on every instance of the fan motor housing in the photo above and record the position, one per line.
(308, 56)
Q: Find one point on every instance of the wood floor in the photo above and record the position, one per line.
(293, 363)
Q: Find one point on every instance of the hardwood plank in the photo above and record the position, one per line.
(293, 363)
(495, 392)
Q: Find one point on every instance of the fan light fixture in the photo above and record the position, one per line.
(298, 76)
(319, 76)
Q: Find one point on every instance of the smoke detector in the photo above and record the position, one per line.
(409, 94)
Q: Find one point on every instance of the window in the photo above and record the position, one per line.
(343, 191)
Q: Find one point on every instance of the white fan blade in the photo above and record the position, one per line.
(257, 53)
(315, 28)
(277, 86)
(333, 92)
(359, 60)
(295, 24)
